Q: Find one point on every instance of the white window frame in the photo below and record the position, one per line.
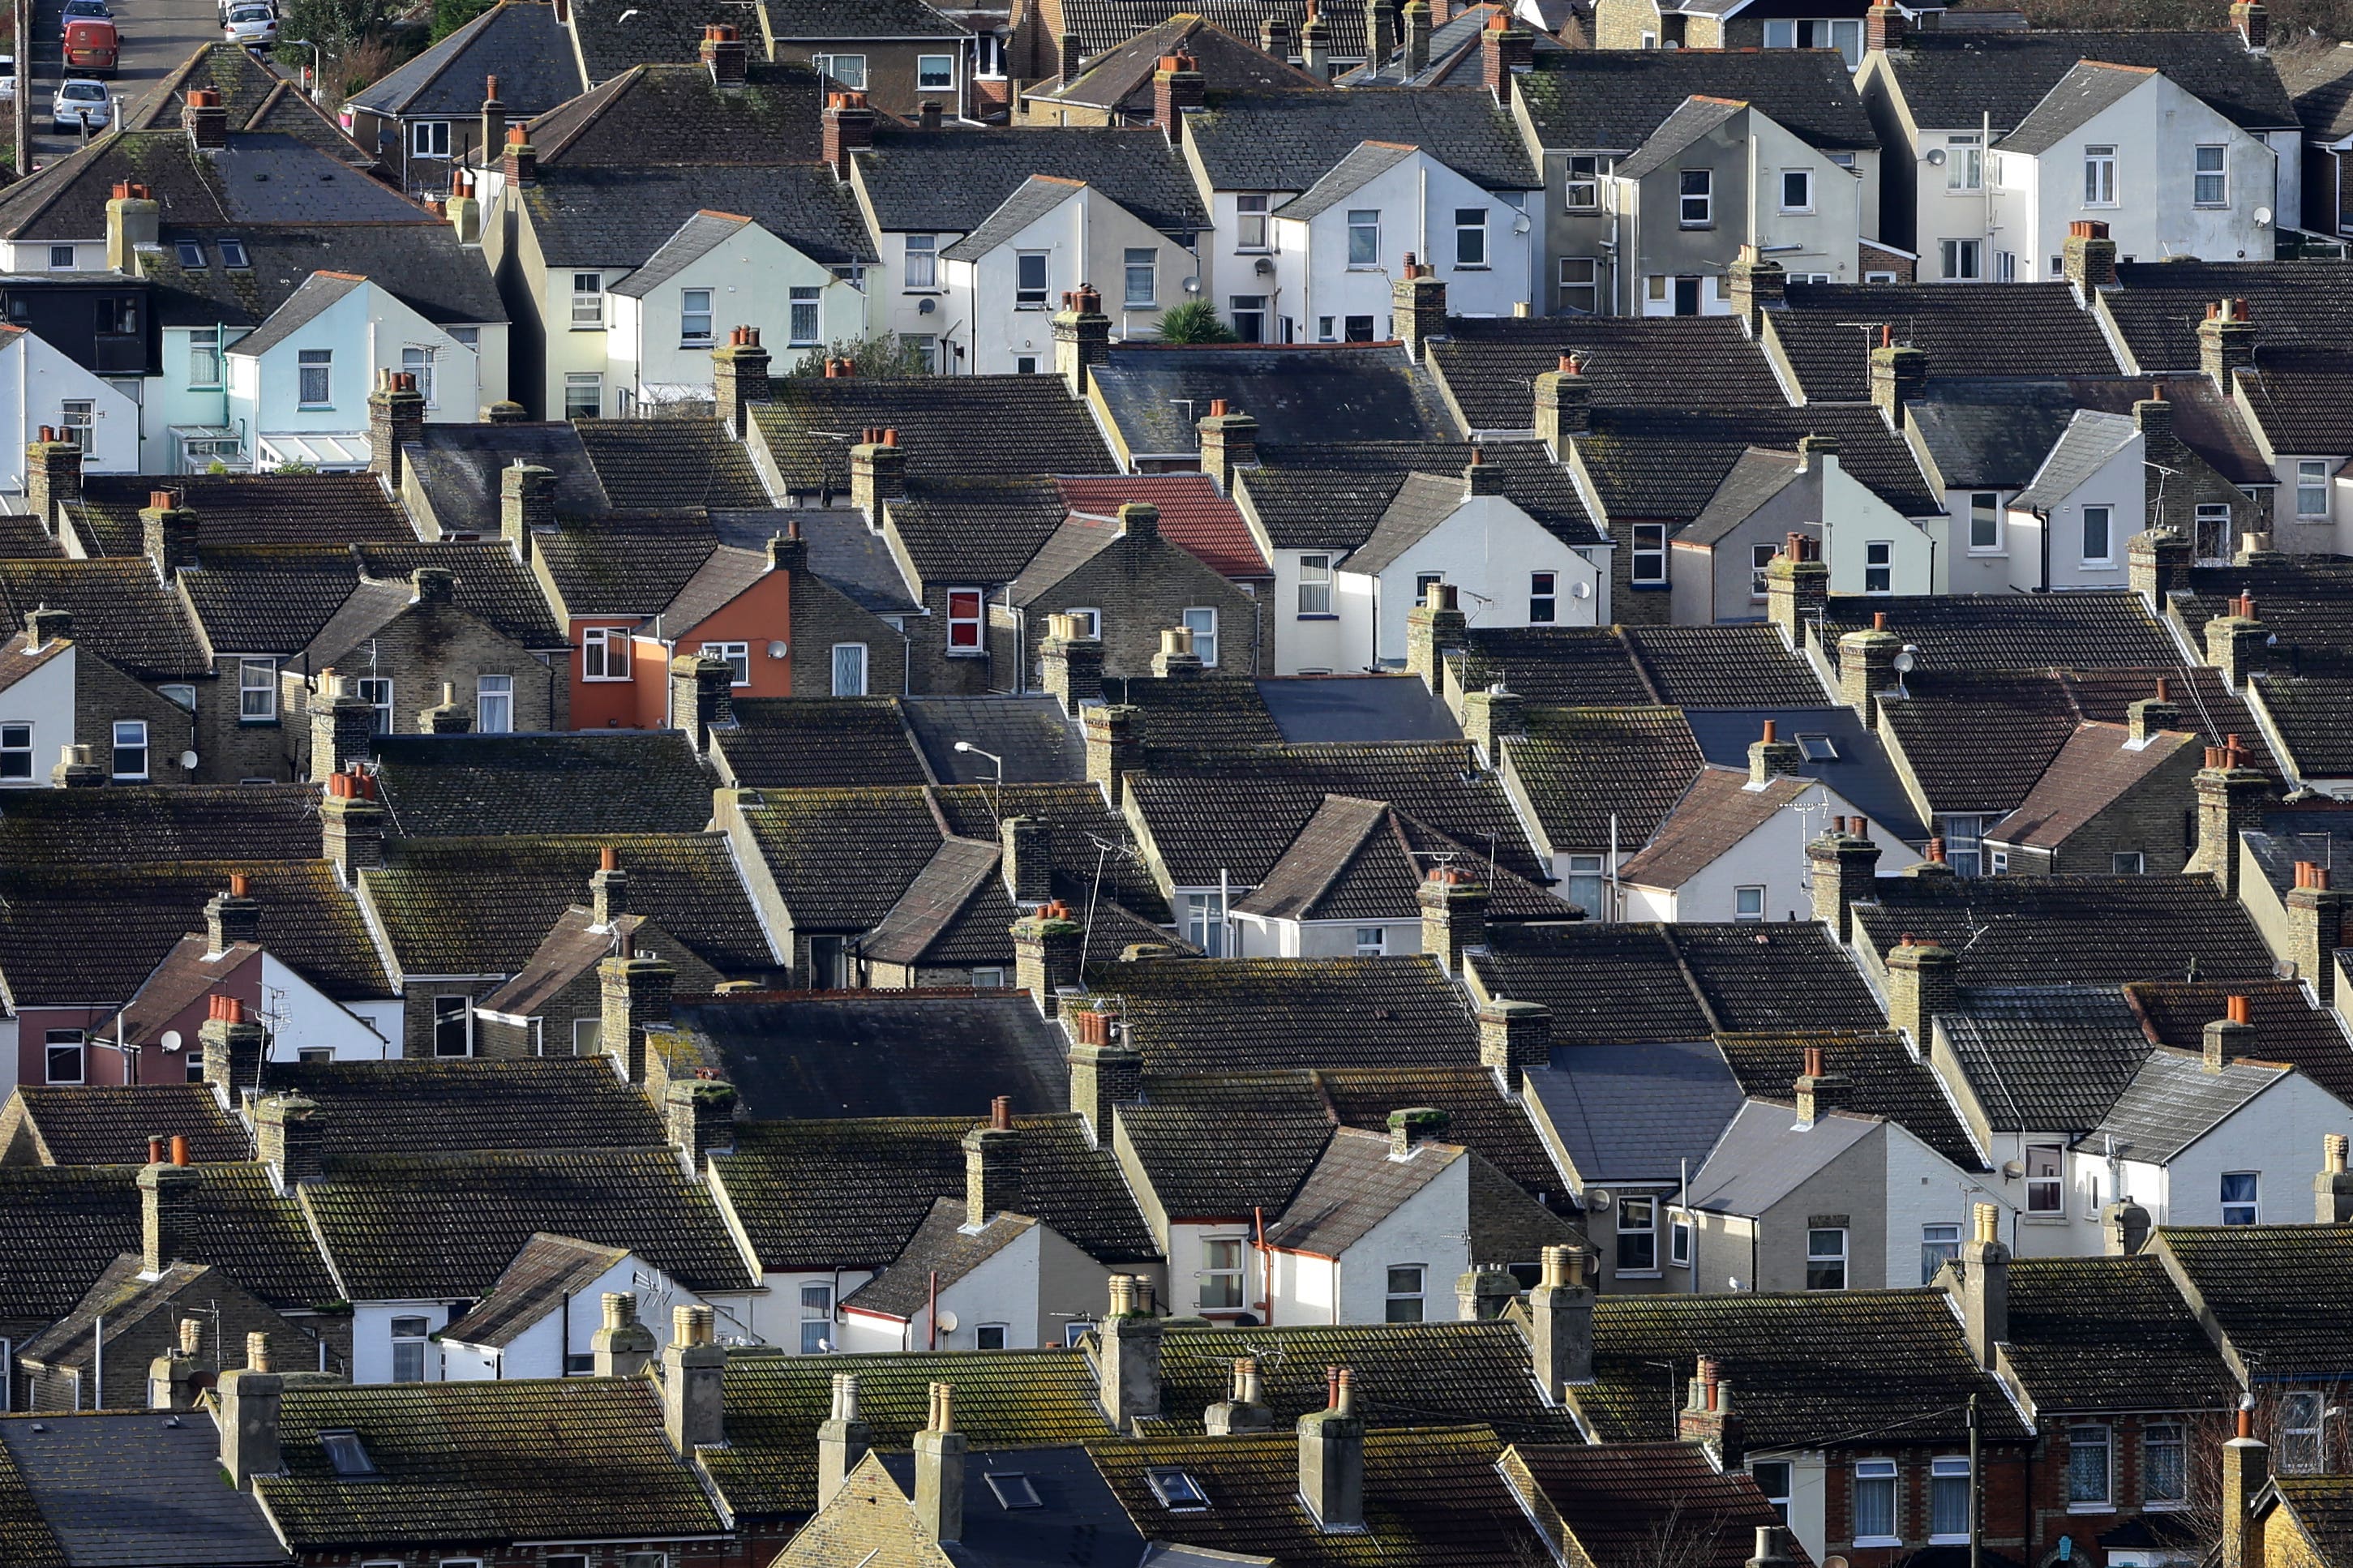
(1647, 561)
(2155, 1436)
(1942, 1472)
(420, 1342)
(1581, 189)
(1372, 941)
(850, 70)
(1941, 1243)
(577, 382)
(923, 263)
(417, 360)
(1139, 277)
(1744, 897)
(1782, 1481)
(1828, 1247)
(1315, 587)
(452, 1009)
(1543, 598)
(1879, 1475)
(1224, 1279)
(2126, 863)
(1252, 227)
(1695, 198)
(1470, 236)
(429, 139)
(257, 691)
(1878, 565)
(605, 653)
(1986, 509)
(494, 704)
(967, 630)
(935, 73)
(859, 664)
(1963, 260)
(137, 729)
(377, 691)
(1090, 620)
(320, 364)
(55, 1041)
(1363, 240)
(2089, 1438)
(1032, 296)
(2249, 1208)
(1637, 1250)
(690, 312)
(2100, 176)
(1405, 1301)
(737, 656)
(2311, 487)
(2303, 1432)
(1587, 285)
(804, 315)
(2220, 175)
(15, 751)
(1805, 203)
(204, 359)
(816, 1308)
(1205, 922)
(1588, 871)
(2105, 519)
(588, 301)
(61, 258)
(2046, 1193)
(1201, 620)
(1964, 164)
(1680, 1233)
(983, 1333)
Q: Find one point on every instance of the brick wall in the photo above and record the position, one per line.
(822, 616)
(428, 645)
(103, 694)
(1620, 24)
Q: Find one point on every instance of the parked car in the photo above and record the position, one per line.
(79, 103)
(8, 78)
(92, 46)
(95, 8)
(251, 25)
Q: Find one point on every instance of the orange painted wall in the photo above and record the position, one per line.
(602, 704)
(759, 615)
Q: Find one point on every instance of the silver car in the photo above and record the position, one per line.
(82, 102)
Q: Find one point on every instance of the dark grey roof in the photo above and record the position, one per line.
(1755, 478)
(886, 1054)
(138, 1490)
(1949, 79)
(1633, 1112)
(1031, 200)
(940, 1252)
(951, 179)
(1692, 119)
(1079, 1522)
(1991, 431)
(1342, 179)
(2089, 443)
(420, 261)
(696, 238)
(2045, 1058)
(2074, 99)
(1356, 1184)
(2321, 79)
(1357, 709)
(517, 41)
(1999, 329)
(458, 467)
(1039, 746)
(1764, 1154)
(318, 292)
(2172, 1101)
(1288, 140)
(1300, 397)
(622, 214)
(842, 550)
(798, 20)
(1862, 773)
(1613, 100)
(1420, 504)
(1102, 25)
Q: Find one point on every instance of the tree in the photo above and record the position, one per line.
(877, 354)
(1194, 321)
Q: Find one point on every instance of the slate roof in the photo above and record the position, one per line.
(130, 1488)
(520, 1459)
(1823, 1369)
(2093, 771)
(2003, 330)
(547, 1270)
(1353, 1188)
(431, 1106)
(1613, 100)
(1369, 396)
(783, 743)
(1665, 464)
(2311, 717)
(622, 214)
(480, 905)
(805, 19)
(1121, 76)
(1581, 767)
(950, 913)
(1883, 1079)
(137, 824)
(952, 178)
(2089, 443)
(1489, 366)
(626, 781)
(1029, 201)
(102, 1124)
(2110, 1333)
(1631, 1113)
(1194, 1016)
(652, 110)
(1716, 814)
(1949, 79)
(1356, 708)
(2045, 1057)
(1694, 118)
(1288, 140)
(1615, 1502)
(520, 42)
(458, 465)
(256, 96)
(2288, 1028)
(2320, 79)
(885, 1052)
(403, 1226)
(940, 1252)
(1860, 772)
(2087, 89)
(1765, 1155)
(489, 583)
(2092, 931)
(120, 613)
(1580, 667)
(2172, 1101)
(2275, 1291)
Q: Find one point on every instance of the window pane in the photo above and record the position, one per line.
(2087, 1464)
(804, 327)
(1364, 238)
(1948, 1498)
(1141, 265)
(1874, 1502)
(2164, 1476)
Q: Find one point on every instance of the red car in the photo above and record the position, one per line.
(92, 46)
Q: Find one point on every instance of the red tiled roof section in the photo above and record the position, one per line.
(1193, 516)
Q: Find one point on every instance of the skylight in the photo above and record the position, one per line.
(1177, 1490)
(1818, 748)
(347, 1454)
(1014, 1490)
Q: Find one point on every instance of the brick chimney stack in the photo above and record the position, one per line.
(1866, 665)
(2315, 919)
(1127, 1360)
(1899, 374)
(637, 993)
(1453, 916)
(1844, 867)
(848, 130)
(1514, 1036)
(526, 506)
(1434, 628)
(1921, 983)
(1047, 944)
(395, 420)
(168, 1191)
(232, 1044)
(52, 475)
(1985, 1284)
(621, 1346)
(1797, 588)
(1564, 403)
(1708, 1417)
(1772, 757)
(1177, 85)
(290, 1138)
(2231, 799)
(1176, 660)
(2152, 716)
(246, 1411)
(2226, 343)
(1560, 1323)
(1082, 337)
(343, 727)
(700, 1113)
(608, 888)
(701, 697)
(1817, 1087)
(176, 1379)
(725, 56)
(1882, 27)
(1104, 1071)
(494, 118)
(740, 378)
(446, 717)
(992, 1167)
(2088, 258)
(1073, 663)
(205, 118)
(2253, 23)
(1505, 48)
(1756, 281)
(1229, 442)
(1316, 44)
(842, 1440)
(2238, 644)
(134, 222)
(1331, 1459)
(2229, 1036)
(519, 160)
(232, 916)
(1113, 749)
(1380, 31)
(1418, 307)
(2332, 1190)
(878, 472)
(2124, 1228)
(1490, 716)
(1417, 37)
(2246, 1470)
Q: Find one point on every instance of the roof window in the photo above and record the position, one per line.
(347, 1454)
(1177, 1490)
(233, 253)
(1818, 748)
(192, 255)
(1014, 1490)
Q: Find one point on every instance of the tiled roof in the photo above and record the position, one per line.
(2002, 432)
(120, 613)
(629, 781)
(2110, 1333)
(1616, 1503)
(480, 906)
(885, 1052)
(1825, 1369)
(1612, 100)
(1334, 496)
(1354, 1188)
(1193, 516)
(1359, 859)
(2311, 717)
(980, 429)
(840, 858)
(848, 1194)
(1079, 822)
(128, 1486)
(1721, 666)
(674, 114)
(1582, 769)
(1626, 982)
(2299, 309)
(1713, 819)
(2172, 1101)
(448, 1107)
(1179, 1135)
(464, 1463)
(2301, 409)
(2045, 1057)
(269, 598)
(1204, 712)
(489, 581)
(1883, 1079)
(621, 214)
(2091, 930)
(1962, 632)
(2087, 89)
(247, 508)
(1288, 141)
(942, 1251)
(1121, 77)
(549, 1270)
(520, 42)
(1354, 405)
(2003, 328)
(2320, 79)
(403, 1226)
(1102, 25)
(955, 911)
(1490, 366)
(646, 465)
(2092, 772)
(96, 1124)
(781, 742)
(2322, 1507)
(48, 911)
(617, 566)
(1188, 1016)
(1949, 79)
(1666, 463)
(2288, 1028)
(951, 179)
(1568, 667)
(256, 94)
(137, 826)
(1945, 730)
(2275, 1292)
(1432, 1499)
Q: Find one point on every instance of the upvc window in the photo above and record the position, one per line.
(203, 358)
(1878, 566)
(1939, 1245)
(1205, 923)
(1364, 236)
(1404, 1301)
(1372, 941)
(315, 377)
(494, 704)
(850, 70)
(408, 1346)
(1031, 279)
(922, 261)
(1543, 598)
(1586, 878)
(1250, 221)
(429, 139)
(1964, 259)
(1964, 163)
(2090, 1453)
(588, 301)
(1356, 329)
(1315, 585)
(375, 690)
(2210, 176)
(587, 1036)
(2240, 1197)
(1249, 314)
(257, 691)
(453, 1026)
(1696, 189)
(584, 394)
(1679, 1239)
(1221, 1274)
(1650, 558)
(1760, 559)
(1948, 1499)
(418, 362)
(605, 653)
(2099, 535)
(2164, 1466)
(817, 1318)
(1985, 521)
(2126, 863)
(1090, 622)
(1580, 285)
(65, 1049)
(1797, 189)
(695, 317)
(802, 327)
(849, 669)
(1638, 1234)
(2046, 1182)
(2099, 176)
(1773, 1477)
(61, 258)
(1202, 621)
(2301, 1449)
(934, 71)
(1471, 237)
(15, 751)
(129, 749)
(736, 655)
(1826, 1259)
(989, 1336)
(2311, 488)
(965, 610)
(1875, 1503)
(1748, 903)
(1581, 191)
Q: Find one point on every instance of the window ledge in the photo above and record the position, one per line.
(2090, 1508)
(1960, 1540)
(1472, 267)
(2044, 1219)
(587, 326)
(1317, 615)
(256, 724)
(1877, 1540)
(1638, 1274)
(1650, 587)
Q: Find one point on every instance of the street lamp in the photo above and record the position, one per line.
(315, 81)
(992, 756)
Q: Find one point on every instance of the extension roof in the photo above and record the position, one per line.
(2288, 1027)
(595, 781)
(623, 214)
(1357, 709)
(2273, 1292)
(955, 431)
(108, 1124)
(1361, 861)
(1489, 365)
(2320, 80)
(1628, 983)
(2089, 88)
(1666, 464)
(2172, 1101)
(2096, 766)
(1358, 1183)
(1614, 101)
(429, 1107)
(1102, 26)
(1029, 201)
(619, 565)
(1196, 1015)
(1694, 118)
(520, 42)
(951, 179)
(547, 1272)
(1765, 1154)
(1949, 79)
(884, 1053)
(2088, 444)
(1121, 77)
(256, 96)
(1306, 395)
(2109, 1333)
(120, 613)
(1861, 772)
(1613, 1502)
(1634, 1112)
(819, 742)
(1882, 1077)
(673, 114)
(1193, 516)
(803, 20)
(942, 1251)
(2094, 931)
(1288, 140)
(1586, 772)
(2045, 1058)
(1714, 817)
(2003, 330)
(130, 1487)
(2310, 716)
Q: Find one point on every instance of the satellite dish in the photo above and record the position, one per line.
(1936, 160)
(188, 759)
(171, 1041)
(777, 650)
(1904, 661)
(1599, 1197)
(1519, 223)
(927, 307)
(1192, 285)
(1581, 591)
(948, 1322)
(2263, 217)
(1263, 266)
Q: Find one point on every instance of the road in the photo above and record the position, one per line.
(157, 36)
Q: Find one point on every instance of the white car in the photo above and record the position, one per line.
(251, 24)
(79, 103)
(8, 78)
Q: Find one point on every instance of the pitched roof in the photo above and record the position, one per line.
(627, 780)
(2310, 717)
(644, 465)
(806, 19)
(1358, 1183)
(1618, 1502)
(1948, 79)
(2087, 89)
(520, 42)
(1121, 76)
(1882, 1077)
(2297, 308)
(2272, 1291)
(2109, 1333)
(1960, 632)
(1765, 1155)
(256, 96)
(1288, 140)
(1666, 463)
(1631, 1113)
(489, 581)
(120, 613)
(1366, 397)
(1102, 25)
(2172, 1101)
(2288, 1028)
(2090, 442)
(431, 1106)
(2321, 1507)
(1359, 859)
(2094, 768)
(934, 910)
(1719, 811)
(124, 1488)
(943, 1250)
(2320, 79)
(1489, 366)
(402, 1225)
(1695, 117)
(673, 113)
(885, 1052)
(982, 428)
(1193, 516)
(952, 178)
(548, 1270)
(625, 215)
(1585, 771)
(108, 1124)
(1190, 1015)
(2005, 330)
(139, 824)
(520, 1459)
(787, 742)
(2045, 1058)
(624, 566)
(244, 510)
(24, 1535)
(1615, 99)
(2092, 931)
(1858, 767)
